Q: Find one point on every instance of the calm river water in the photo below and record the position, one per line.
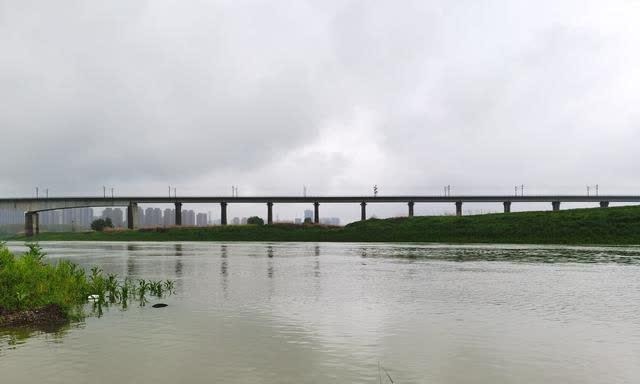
(332, 313)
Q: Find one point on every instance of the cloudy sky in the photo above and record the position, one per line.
(334, 95)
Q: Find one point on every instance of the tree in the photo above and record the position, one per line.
(100, 224)
(255, 220)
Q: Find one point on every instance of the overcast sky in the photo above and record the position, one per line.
(334, 95)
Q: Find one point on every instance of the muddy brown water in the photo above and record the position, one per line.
(325, 313)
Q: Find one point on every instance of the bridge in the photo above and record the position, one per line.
(31, 206)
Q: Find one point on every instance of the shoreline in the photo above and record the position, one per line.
(590, 226)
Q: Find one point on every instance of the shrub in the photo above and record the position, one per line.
(255, 220)
(100, 224)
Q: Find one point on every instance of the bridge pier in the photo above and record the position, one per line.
(269, 213)
(458, 208)
(28, 224)
(555, 205)
(178, 214)
(410, 204)
(223, 213)
(132, 215)
(363, 211)
(316, 212)
(604, 204)
(507, 206)
(36, 222)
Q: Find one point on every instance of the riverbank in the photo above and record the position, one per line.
(619, 225)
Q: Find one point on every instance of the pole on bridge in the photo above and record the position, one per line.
(458, 208)
(28, 224)
(223, 213)
(316, 212)
(411, 204)
(555, 205)
(363, 211)
(604, 204)
(507, 206)
(269, 213)
(178, 214)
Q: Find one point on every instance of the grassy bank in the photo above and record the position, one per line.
(33, 292)
(620, 225)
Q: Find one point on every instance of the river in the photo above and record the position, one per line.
(348, 313)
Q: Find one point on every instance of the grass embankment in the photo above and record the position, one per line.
(620, 225)
(33, 292)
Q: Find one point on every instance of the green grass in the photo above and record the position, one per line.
(28, 283)
(620, 225)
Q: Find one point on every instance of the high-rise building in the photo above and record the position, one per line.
(308, 214)
(169, 217)
(116, 215)
(201, 219)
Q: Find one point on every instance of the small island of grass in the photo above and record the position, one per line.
(35, 293)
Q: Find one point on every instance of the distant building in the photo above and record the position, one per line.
(297, 220)
(308, 214)
(236, 221)
(243, 221)
(115, 214)
(330, 220)
(169, 217)
(201, 220)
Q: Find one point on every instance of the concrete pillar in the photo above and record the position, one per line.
(223, 213)
(28, 224)
(507, 206)
(178, 214)
(316, 212)
(411, 204)
(132, 214)
(269, 213)
(458, 208)
(604, 204)
(363, 211)
(555, 205)
(36, 222)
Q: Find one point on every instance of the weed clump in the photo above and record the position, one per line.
(28, 284)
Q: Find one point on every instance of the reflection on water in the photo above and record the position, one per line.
(296, 313)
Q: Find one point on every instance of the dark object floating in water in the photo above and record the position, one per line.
(159, 305)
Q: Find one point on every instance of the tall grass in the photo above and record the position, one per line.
(27, 282)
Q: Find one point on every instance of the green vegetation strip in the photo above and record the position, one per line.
(619, 225)
(33, 292)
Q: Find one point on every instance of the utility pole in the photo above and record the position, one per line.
(304, 190)
(587, 190)
(112, 195)
(375, 190)
(175, 193)
(597, 186)
(169, 191)
(516, 190)
(104, 191)
(522, 190)
(47, 192)
(36, 192)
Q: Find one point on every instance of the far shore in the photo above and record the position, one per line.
(602, 226)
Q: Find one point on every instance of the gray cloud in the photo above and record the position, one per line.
(337, 95)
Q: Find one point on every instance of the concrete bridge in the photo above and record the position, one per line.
(31, 206)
